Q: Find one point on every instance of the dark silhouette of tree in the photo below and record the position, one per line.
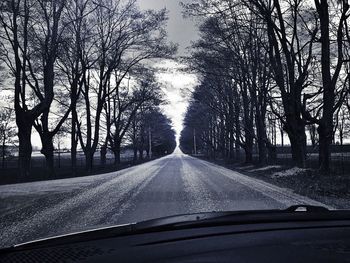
(33, 34)
(124, 38)
(124, 106)
(330, 71)
(70, 60)
(155, 128)
(280, 65)
(74, 60)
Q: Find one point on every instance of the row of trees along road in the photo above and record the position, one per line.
(266, 60)
(81, 66)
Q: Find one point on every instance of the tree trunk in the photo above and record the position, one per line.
(298, 146)
(262, 151)
(134, 140)
(238, 135)
(249, 154)
(249, 143)
(295, 129)
(341, 137)
(3, 151)
(74, 142)
(313, 135)
(25, 146)
(231, 146)
(325, 140)
(237, 150)
(140, 153)
(272, 153)
(282, 137)
(262, 138)
(103, 154)
(117, 151)
(48, 151)
(248, 124)
(135, 154)
(222, 137)
(47, 142)
(89, 161)
(326, 126)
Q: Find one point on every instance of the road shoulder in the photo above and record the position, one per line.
(332, 190)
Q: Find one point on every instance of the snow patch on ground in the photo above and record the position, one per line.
(265, 168)
(289, 172)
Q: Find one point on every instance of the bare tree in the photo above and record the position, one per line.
(124, 37)
(332, 98)
(75, 59)
(292, 29)
(123, 109)
(32, 33)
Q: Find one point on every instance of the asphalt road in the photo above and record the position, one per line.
(175, 184)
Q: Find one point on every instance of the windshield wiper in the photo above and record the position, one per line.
(306, 208)
(227, 217)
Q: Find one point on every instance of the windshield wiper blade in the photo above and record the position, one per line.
(306, 208)
(236, 217)
(212, 216)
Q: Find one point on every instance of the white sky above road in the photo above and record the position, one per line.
(175, 82)
(176, 85)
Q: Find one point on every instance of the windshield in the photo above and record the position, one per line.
(119, 111)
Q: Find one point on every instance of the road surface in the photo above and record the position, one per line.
(175, 184)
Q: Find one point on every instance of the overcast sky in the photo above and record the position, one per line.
(180, 30)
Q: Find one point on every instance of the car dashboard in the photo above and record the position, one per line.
(301, 241)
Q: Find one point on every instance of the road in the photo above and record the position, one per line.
(175, 184)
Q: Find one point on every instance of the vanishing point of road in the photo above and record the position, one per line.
(175, 184)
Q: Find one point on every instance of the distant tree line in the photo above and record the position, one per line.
(82, 67)
(267, 64)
